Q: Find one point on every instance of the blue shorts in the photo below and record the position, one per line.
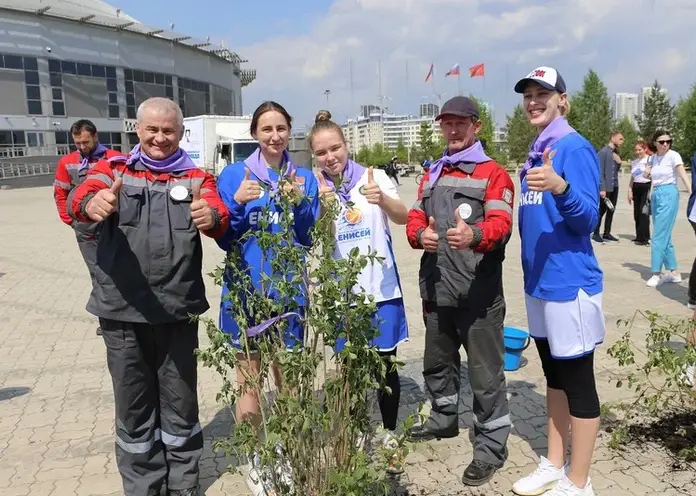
(293, 333)
(390, 319)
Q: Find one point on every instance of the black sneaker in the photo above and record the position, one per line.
(99, 331)
(597, 239)
(609, 237)
(184, 492)
(478, 473)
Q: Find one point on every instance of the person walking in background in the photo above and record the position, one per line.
(559, 207)
(248, 189)
(663, 168)
(392, 170)
(462, 220)
(639, 194)
(376, 201)
(71, 172)
(150, 283)
(609, 165)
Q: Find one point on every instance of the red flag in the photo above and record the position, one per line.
(430, 73)
(477, 70)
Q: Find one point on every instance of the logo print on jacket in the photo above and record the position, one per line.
(353, 216)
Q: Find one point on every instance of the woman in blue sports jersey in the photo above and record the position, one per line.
(248, 188)
(563, 282)
(364, 224)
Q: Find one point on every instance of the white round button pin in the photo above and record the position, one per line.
(464, 211)
(179, 193)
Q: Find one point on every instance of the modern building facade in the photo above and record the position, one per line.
(626, 105)
(385, 129)
(429, 110)
(65, 60)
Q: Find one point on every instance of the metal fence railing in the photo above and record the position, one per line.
(16, 171)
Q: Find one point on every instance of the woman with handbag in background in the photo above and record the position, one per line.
(639, 194)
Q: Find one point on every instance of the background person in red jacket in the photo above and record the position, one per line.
(71, 171)
(153, 206)
(463, 219)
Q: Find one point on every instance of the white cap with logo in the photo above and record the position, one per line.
(548, 77)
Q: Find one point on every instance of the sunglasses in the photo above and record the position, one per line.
(665, 142)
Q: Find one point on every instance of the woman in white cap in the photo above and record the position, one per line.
(559, 208)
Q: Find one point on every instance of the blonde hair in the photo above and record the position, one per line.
(565, 109)
(323, 122)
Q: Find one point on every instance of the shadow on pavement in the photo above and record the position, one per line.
(219, 427)
(675, 292)
(13, 392)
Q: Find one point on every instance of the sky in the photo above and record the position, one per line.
(304, 47)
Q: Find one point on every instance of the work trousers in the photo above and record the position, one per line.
(641, 194)
(158, 438)
(480, 331)
(605, 213)
(664, 206)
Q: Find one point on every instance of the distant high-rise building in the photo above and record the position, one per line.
(626, 105)
(644, 96)
(367, 110)
(429, 110)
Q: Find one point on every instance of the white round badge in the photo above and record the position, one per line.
(464, 211)
(179, 193)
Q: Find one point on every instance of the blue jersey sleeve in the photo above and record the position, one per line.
(307, 211)
(228, 183)
(580, 206)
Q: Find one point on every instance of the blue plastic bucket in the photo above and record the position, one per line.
(516, 341)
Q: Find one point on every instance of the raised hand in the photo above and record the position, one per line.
(249, 190)
(429, 238)
(104, 202)
(325, 191)
(545, 178)
(201, 213)
(371, 190)
(461, 236)
(292, 188)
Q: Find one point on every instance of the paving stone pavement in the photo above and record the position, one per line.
(56, 406)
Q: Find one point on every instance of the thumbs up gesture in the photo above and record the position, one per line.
(292, 188)
(371, 190)
(460, 236)
(325, 191)
(429, 237)
(249, 190)
(201, 213)
(545, 178)
(104, 202)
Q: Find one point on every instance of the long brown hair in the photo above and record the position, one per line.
(268, 106)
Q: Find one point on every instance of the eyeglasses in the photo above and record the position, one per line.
(665, 142)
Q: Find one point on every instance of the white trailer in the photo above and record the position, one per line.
(215, 141)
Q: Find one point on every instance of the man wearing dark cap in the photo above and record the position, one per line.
(462, 220)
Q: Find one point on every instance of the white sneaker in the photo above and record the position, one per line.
(672, 277)
(654, 281)
(545, 477)
(689, 374)
(256, 480)
(567, 488)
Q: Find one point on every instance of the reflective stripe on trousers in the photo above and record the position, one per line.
(447, 329)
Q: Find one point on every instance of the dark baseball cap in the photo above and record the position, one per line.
(548, 77)
(460, 106)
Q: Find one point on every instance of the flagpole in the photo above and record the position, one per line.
(459, 83)
(407, 79)
(352, 99)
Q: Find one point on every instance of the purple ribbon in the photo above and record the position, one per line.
(558, 129)
(97, 153)
(474, 154)
(260, 170)
(178, 161)
(351, 174)
(256, 330)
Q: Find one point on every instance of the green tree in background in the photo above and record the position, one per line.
(685, 127)
(487, 132)
(520, 134)
(626, 127)
(426, 143)
(658, 112)
(590, 112)
(364, 156)
(401, 151)
(379, 155)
